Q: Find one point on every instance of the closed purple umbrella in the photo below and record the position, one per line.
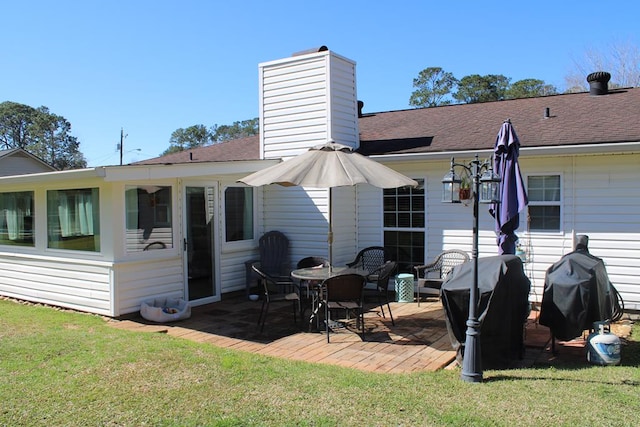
(513, 194)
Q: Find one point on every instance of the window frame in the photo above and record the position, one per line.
(96, 224)
(166, 207)
(410, 229)
(243, 242)
(23, 230)
(551, 203)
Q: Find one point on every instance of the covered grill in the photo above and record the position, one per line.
(577, 293)
(503, 307)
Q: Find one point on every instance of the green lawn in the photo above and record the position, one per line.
(62, 368)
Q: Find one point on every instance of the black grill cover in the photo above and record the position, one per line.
(503, 307)
(576, 293)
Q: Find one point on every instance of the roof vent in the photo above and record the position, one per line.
(312, 50)
(599, 83)
(360, 107)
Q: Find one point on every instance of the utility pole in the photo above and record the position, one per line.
(121, 143)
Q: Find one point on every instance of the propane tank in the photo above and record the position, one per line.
(603, 347)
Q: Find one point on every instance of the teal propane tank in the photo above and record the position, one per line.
(603, 347)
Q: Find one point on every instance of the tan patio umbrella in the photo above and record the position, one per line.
(326, 166)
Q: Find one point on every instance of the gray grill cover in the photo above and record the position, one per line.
(576, 293)
(503, 307)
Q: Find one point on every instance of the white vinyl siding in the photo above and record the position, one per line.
(606, 207)
(162, 277)
(304, 101)
(369, 208)
(301, 215)
(72, 283)
(344, 224)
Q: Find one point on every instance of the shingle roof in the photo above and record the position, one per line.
(238, 149)
(574, 119)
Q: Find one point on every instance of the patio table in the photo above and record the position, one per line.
(315, 276)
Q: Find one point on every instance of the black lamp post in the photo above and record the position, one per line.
(485, 189)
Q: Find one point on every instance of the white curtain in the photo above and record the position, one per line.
(14, 216)
(84, 214)
(76, 214)
(64, 215)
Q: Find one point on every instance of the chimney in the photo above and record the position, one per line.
(599, 83)
(360, 107)
(312, 50)
(306, 100)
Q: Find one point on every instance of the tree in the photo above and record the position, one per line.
(55, 145)
(199, 135)
(237, 130)
(433, 85)
(621, 60)
(529, 88)
(191, 137)
(41, 133)
(477, 88)
(15, 125)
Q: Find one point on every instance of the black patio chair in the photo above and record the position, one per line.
(343, 293)
(310, 262)
(273, 247)
(275, 291)
(370, 259)
(380, 287)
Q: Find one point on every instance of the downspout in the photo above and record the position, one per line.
(573, 204)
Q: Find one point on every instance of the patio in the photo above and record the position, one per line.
(418, 342)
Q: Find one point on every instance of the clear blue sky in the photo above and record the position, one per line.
(152, 67)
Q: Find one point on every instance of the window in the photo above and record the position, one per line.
(16, 218)
(404, 222)
(544, 202)
(73, 219)
(148, 218)
(238, 210)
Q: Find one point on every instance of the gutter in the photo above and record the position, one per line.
(581, 149)
(144, 172)
(66, 175)
(186, 170)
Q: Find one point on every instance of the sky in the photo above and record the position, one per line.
(151, 67)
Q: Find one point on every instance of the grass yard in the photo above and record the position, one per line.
(60, 368)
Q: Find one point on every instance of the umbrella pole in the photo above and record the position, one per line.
(330, 232)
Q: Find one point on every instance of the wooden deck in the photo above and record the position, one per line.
(418, 342)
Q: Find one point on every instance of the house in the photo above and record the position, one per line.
(17, 161)
(107, 238)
